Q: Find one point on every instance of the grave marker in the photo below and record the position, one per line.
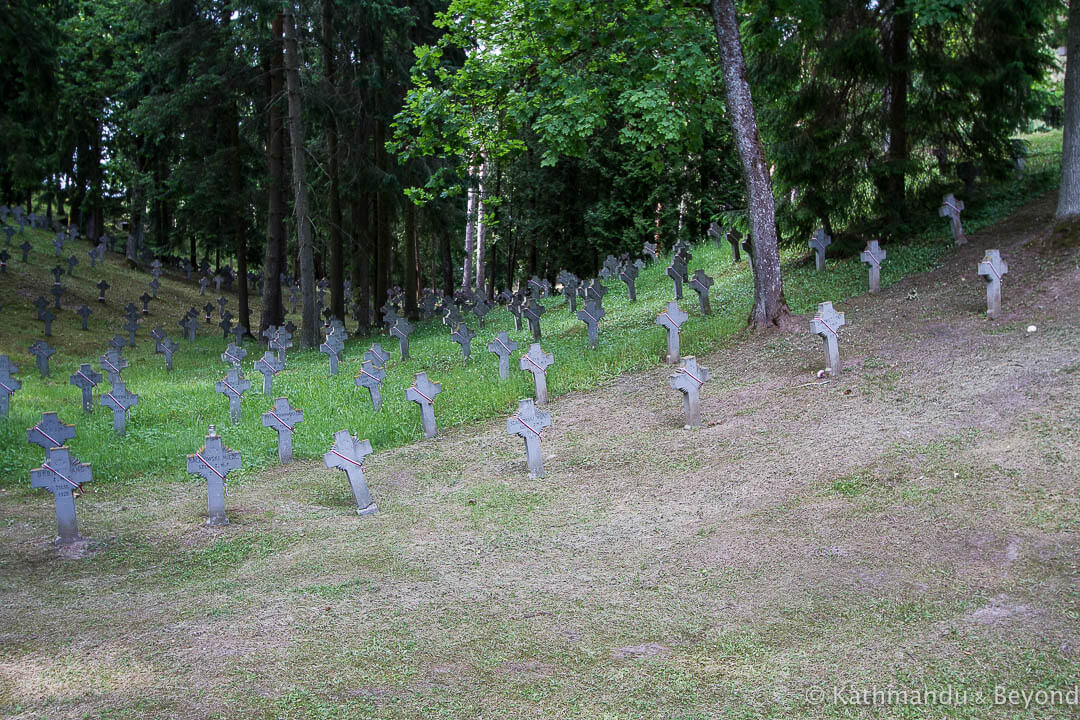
(677, 271)
(86, 379)
(283, 418)
(157, 335)
(529, 423)
(423, 392)
(688, 380)
(570, 284)
(145, 300)
(57, 292)
(628, 274)
(119, 399)
(4, 257)
(402, 329)
(50, 432)
(239, 332)
(700, 284)
(25, 248)
(214, 462)
(203, 283)
(62, 475)
(154, 285)
(371, 377)
(992, 269)
(531, 311)
(102, 287)
(377, 356)
(463, 335)
(348, 453)
(671, 318)
(111, 363)
(818, 242)
(282, 342)
(537, 362)
(827, 323)
(649, 250)
(8, 383)
(42, 351)
(233, 355)
(872, 257)
(168, 347)
(233, 386)
(503, 346)
(951, 208)
(47, 317)
(225, 324)
(269, 365)
(71, 263)
(590, 315)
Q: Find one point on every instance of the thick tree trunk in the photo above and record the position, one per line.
(769, 306)
(470, 231)
(1069, 194)
(411, 305)
(481, 223)
(309, 324)
(337, 259)
(359, 217)
(896, 41)
(384, 233)
(272, 307)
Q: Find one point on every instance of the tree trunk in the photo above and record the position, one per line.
(383, 231)
(769, 305)
(447, 264)
(1069, 194)
(470, 232)
(481, 223)
(337, 254)
(273, 312)
(896, 39)
(309, 334)
(411, 310)
(359, 218)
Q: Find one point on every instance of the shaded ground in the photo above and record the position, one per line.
(911, 524)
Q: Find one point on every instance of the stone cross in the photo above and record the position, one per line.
(503, 346)
(102, 287)
(671, 318)
(203, 283)
(377, 356)
(233, 386)
(529, 424)
(269, 365)
(189, 325)
(111, 363)
(283, 418)
(538, 288)
(818, 242)
(716, 233)
(348, 453)
(233, 355)
(47, 317)
(515, 308)
(733, 238)
(157, 335)
(222, 301)
(593, 290)
(628, 274)
(532, 310)
(389, 314)
(57, 292)
(827, 323)
(119, 399)
(4, 257)
(590, 315)
(700, 284)
(423, 392)
(42, 351)
(154, 285)
(145, 300)
(131, 326)
(40, 303)
(9, 231)
(282, 341)
(213, 462)
(481, 307)
(62, 475)
(463, 335)
(537, 362)
(86, 379)
(688, 380)
(268, 335)
(402, 329)
(225, 324)
(187, 269)
(332, 349)
(677, 271)
(217, 282)
(993, 268)
(951, 208)
(570, 284)
(57, 273)
(371, 377)
(872, 257)
(610, 267)
(649, 250)
(168, 347)
(71, 263)
(50, 432)
(58, 244)
(8, 383)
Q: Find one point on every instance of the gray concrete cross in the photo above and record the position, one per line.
(951, 208)
(671, 318)
(62, 475)
(503, 346)
(50, 431)
(677, 271)
(463, 335)
(827, 323)
(377, 356)
(119, 399)
(282, 341)
(8, 383)
(872, 257)
(688, 380)
(531, 311)
(283, 418)
(993, 269)
(818, 242)
(233, 386)
(214, 462)
(628, 274)
(269, 365)
(423, 392)
(371, 376)
(348, 453)
(700, 283)
(42, 351)
(111, 363)
(86, 379)
(402, 329)
(168, 347)
(591, 315)
(529, 424)
(102, 287)
(233, 355)
(537, 362)
(332, 349)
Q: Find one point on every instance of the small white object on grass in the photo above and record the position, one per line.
(1031, 328)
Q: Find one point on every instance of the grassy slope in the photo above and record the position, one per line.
(175, 409)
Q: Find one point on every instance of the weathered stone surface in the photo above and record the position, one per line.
(371, 377)
(214, 462)
(423, 392)
(283, 418)
(872, 257)
(827, 323)
(233, 386)
(951, 208)
(503, 346)
(529, 424)
(119, 399)
(348, 453)
(818, 242)
(993, 269)
(62, 475)
(86, 379)
(671, 318)
(688, 380)
(536, 361)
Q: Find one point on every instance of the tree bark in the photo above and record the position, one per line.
(769, 305)
(1069, 193)
(337, 259)
(896, 41)
(481, 223)
(359, 217)
(383, 231)
(470, 232)
(447, 264)
(309, 335)
(272, 307)
(411, 306)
